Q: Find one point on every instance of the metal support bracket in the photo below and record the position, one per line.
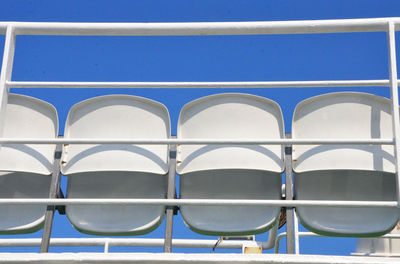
(54, 190)
(289, 196)
(60, 208)
(171, 194)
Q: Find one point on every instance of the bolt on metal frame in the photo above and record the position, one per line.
(388, 25)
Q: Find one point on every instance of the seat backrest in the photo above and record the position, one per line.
(230, 116)
(28, 117)
(344, 115)
(344, 172)
(117, 117)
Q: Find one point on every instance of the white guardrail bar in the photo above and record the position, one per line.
(198, 202)
(208, 85)
(199, 141)
(12, 29)
(202, 28)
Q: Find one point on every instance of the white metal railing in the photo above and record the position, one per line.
(394, 94)
(208, 85)
(388, 25)
(198, 202)
(202, 28)
(123, 242)
(198, 141)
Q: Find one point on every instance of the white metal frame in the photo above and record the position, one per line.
(388, 25)
(6, 70)
(196, 202)
(199, 141)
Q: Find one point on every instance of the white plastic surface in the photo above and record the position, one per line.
(362, 173)
(21, 218)
(230, 184)
(230, 172)
(230, 116)
(25, 169)
(121, 117)
(116, 171)
(106, 220)
(28, 117)
(343, 116)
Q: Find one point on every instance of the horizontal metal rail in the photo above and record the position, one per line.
(186, 258)
(125, 242)
(374, 141)
(257, 84)
(202, 28)
(198, 202)
(367, 254)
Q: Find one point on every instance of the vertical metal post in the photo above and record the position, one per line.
(170, 195)
(289, 196)
(296, 233)
(395, 102)
(107, 246)
(54, 187)
(6, 71)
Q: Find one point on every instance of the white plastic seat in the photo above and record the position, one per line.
(25, 169)
(116, 171)
(230, 171)
(344, 172)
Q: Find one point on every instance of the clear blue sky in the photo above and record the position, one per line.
(199, 58)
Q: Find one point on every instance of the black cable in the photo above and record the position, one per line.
(216, 244)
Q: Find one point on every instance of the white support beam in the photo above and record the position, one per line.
(217, 85)
(126, 242)
(202, 28)
(395, 102)
(181, 258)
(296, 234)
(6, 71)
(198, 202)
(374, 141)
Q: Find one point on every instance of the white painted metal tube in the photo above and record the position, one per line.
(197, 202)
(201, 28)
(217, 85)
(271, 237)
(122, 242)
(296, 234)
(277, 241)
(198, 141)
(394, 94)
(6, 71)
(186, 258)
